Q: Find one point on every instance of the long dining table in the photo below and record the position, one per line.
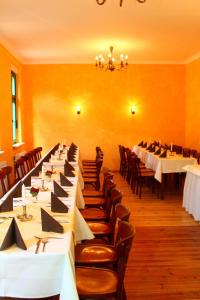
(50, 271)
(173, 163)
(191, 191)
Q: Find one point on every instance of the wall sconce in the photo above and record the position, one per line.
(78, 109)
(133, 110)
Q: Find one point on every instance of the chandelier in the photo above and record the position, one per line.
(110, 65)
(101, 2)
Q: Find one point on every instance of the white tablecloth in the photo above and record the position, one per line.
(25, 274)
(191, 193)
(170, 164)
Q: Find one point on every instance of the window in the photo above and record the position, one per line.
(14, 106)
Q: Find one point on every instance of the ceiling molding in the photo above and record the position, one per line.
(54, 62)
(10, 48)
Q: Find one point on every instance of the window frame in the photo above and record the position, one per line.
(14, 107)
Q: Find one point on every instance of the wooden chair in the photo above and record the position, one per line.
(97, 283)
(102, 214)
(101, 201)
(99, 154)
(7, 170)
(142, 175)
(104, 231)
(38, 152)
(94, 178)
(19, 169)
(2, 183)
(94, 193)
(103, 254)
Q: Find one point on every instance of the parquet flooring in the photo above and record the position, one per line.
(164, 263)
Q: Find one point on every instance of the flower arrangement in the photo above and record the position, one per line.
(34, 191)
(49, 173)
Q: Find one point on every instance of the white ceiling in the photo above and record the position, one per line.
(74, 31)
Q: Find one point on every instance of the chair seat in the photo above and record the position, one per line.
(93, 214)
(93, 281)
(89, 180)
(89, 175)
(92, 193)
(89, 170)
(147, 173)
(100, 228)
(95, 254)
(90, 201)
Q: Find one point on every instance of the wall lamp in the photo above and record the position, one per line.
(133, 110)
(78, 109)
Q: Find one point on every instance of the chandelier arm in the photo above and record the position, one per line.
(100, 2)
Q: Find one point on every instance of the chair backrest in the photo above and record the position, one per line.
(19, 168)
(120, 213)
(186, 152)
(2, 183)
(38, 151)
(126, 234)
(27, 162)
(111, 201)
(7, 170)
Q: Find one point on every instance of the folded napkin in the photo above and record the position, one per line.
(144, 145)
(153, 148)
(149, 147)
(68, 172)
(58, 190)
(36, 170)
(158, 152)
(69, 166)
(13, 236)
(64, 181)
(7, 204)
(140, 144)
(71, 157)
(17, 191)
(27, 180)
(49, 223)
(164, 154)
(73, 146)
(57, 205)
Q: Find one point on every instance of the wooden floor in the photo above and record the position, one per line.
(164, 263)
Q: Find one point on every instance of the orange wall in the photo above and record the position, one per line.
(193, 105)
(8, 63)
(53, 91)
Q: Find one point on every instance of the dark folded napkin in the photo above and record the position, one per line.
(57, 205)
(167, 147)
(144, 145)
(13, 236)
(153, 148)
(58, 190)
(164, 154)
(49, 223)
(64, 181)
(71, 157)
(158, 152)
(27, 180)
(68, 166)
(17, 191)
(36, 170)
(140, 144)
(68, 172)
(7, 204)
(73, 145)
(149, 147)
